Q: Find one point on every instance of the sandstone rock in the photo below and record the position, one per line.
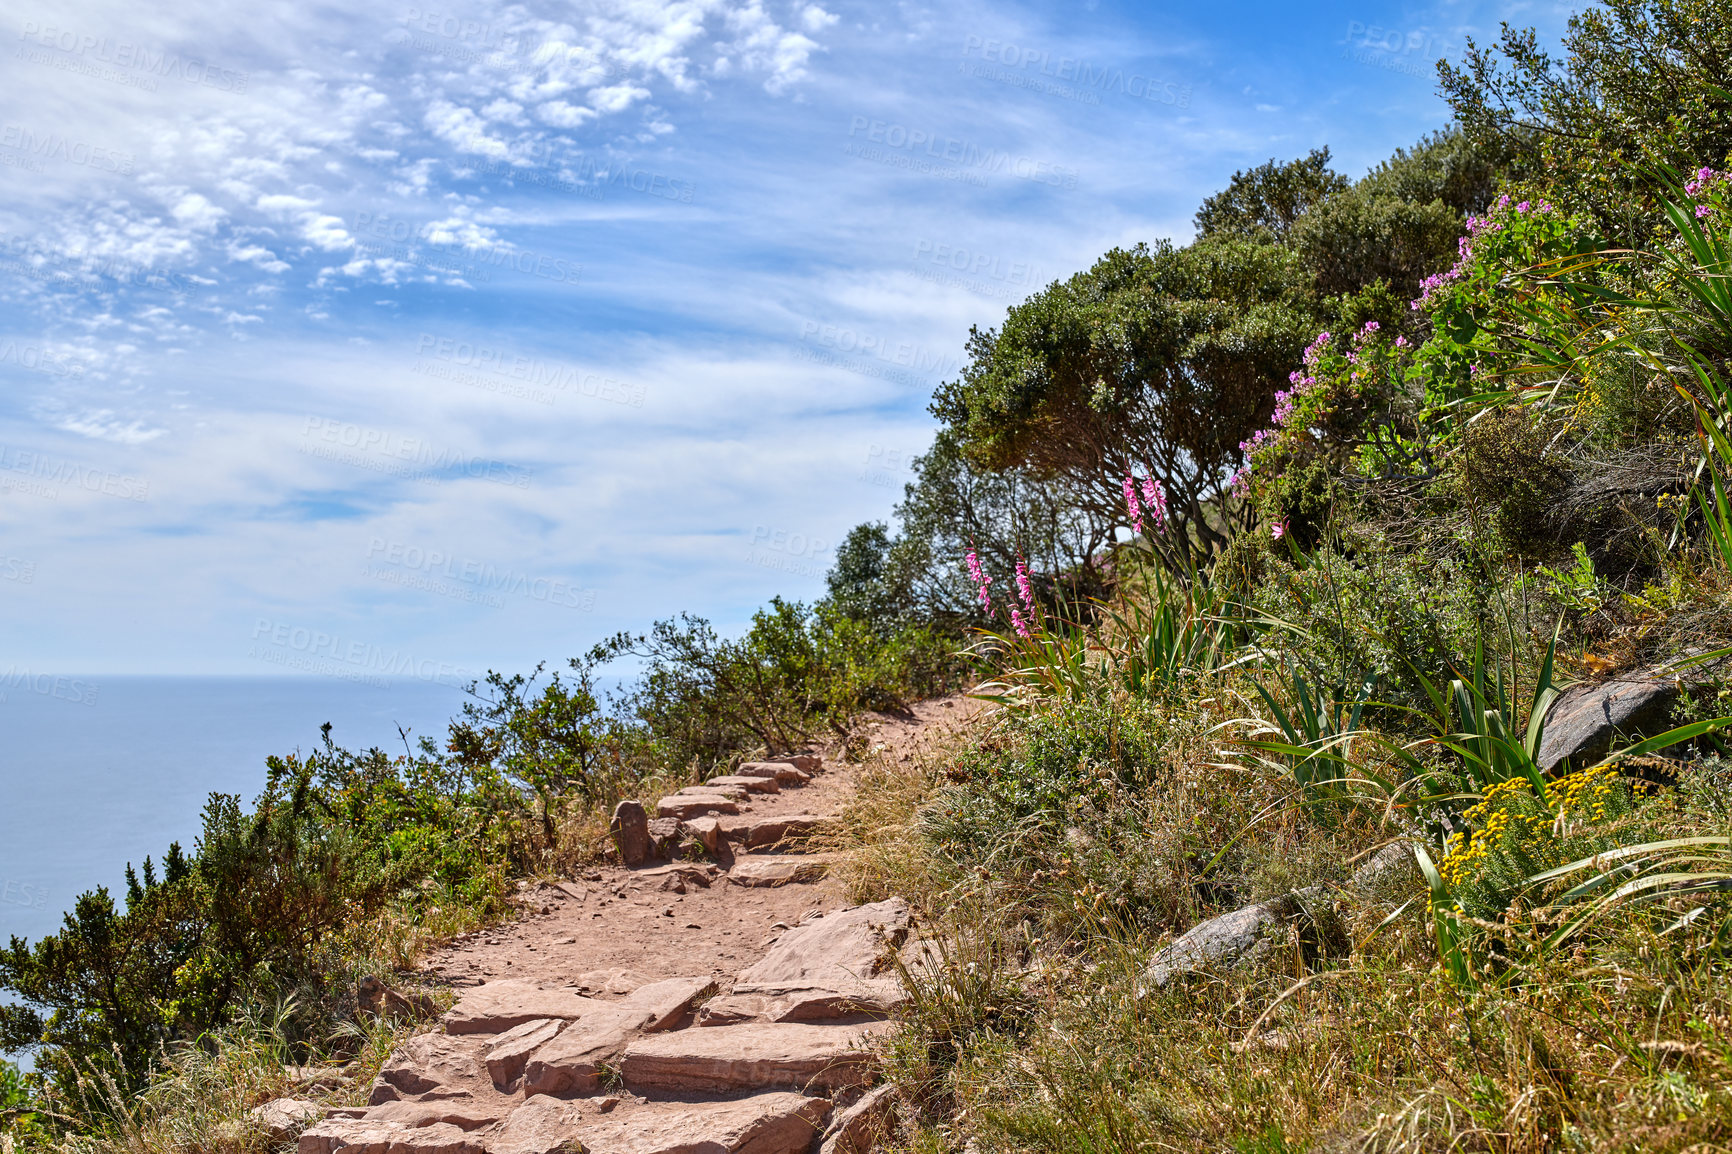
(861, 1127)
(506, 1059)
(842, 952)
(1222, 942)
(748, 783)
(706, 831)
(805, 762)
(761, 1124)
(776, 871)
(542, 1125)
(664, 836)
(795, 827)
(631, 832)
(784, 773)
(685, 806)
(465, 1115)
(572, 1063)
(732, 1009)
(282, 1117)
(665, 1003)
(686, 873)
(755, 1056)
(611, 981)
(364, 1136)
(495, 1007)
(731, 792)
(427, 1062)
(1584, 719)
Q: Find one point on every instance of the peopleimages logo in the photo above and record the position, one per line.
(536, 374)
(16, 893)
(130, 58)
(418, 568)
(316, 651)
(1075, 71)
(71, 689)
(932, 146)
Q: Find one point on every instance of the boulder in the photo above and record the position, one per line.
(679, 876)
(792, 828)
(1222, 942)
(1583, 721)
(631, 832)
(776, 871)
(706, 831)
(761, 1124)
(747, 783)
(281, 1118)
(506, 1059)
(846, 951)
(1391, 869)
(685, 806)
(495, 1007)
(784, 773)
(863, 1126)
(754, 1056)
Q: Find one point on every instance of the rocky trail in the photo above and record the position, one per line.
(672, 1004)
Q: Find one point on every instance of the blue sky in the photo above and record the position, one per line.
(412, 340)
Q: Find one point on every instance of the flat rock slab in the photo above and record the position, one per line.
(1583, 721)
(686, 806)
(737, 792)
(804, 1005)
(776, 871)
(542, 1125)
(839, 952)
(793, 828)
(495, 1007)
(428, 1062)
(784, 773)
(761, 1124)
(755, 1056)
(1223, 942)
(863, 1126)
(748, 783)
(364, 1136)
(572, 1062)
(463, 1114)
(506, 1059)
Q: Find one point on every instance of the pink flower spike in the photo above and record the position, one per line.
(1279, 530)
(1155, 498)
(1131, 503)
(1023, 587)
(1021, 625)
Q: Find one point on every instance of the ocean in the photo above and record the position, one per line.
(96, 772)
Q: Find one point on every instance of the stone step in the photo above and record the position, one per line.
(573, 1061)
(754, 1056)
(749, 784)
(846, 951)
(495, 1007)
(685, 806)
(784, 773)
(761, 872)
(789, 828)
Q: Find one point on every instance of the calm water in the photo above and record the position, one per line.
(99, 771)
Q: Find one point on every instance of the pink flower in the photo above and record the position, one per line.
(1023, 588)
(1401, 342)
(1279, 530)
(1131, 503)
(1702, 210)
(1241, 484)
(1021, 625)
(979, 577)
(1155, 498)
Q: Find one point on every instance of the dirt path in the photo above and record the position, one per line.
(725, 1005)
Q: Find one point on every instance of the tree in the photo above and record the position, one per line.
(1642, 86)
(1155, 361)
(1268, 200)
